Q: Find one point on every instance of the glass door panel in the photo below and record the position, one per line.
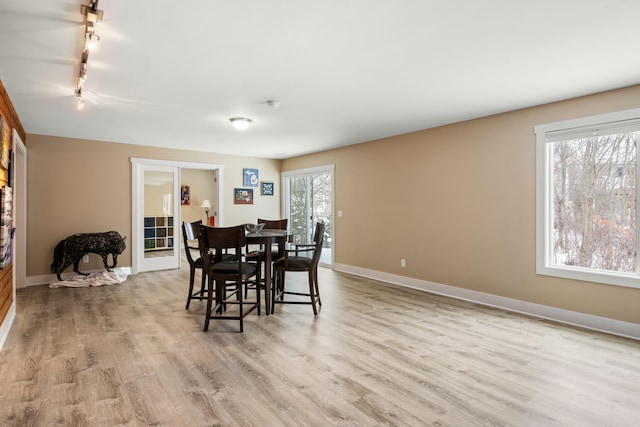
(158, 214)
(308, 199)
(157, 239)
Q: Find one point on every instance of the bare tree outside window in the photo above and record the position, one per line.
(594, 202)
(310, 199)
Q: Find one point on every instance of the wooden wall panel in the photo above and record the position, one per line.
(6, 291)
(7, 111)
(9, 119)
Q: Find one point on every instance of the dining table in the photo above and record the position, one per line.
(268, 237)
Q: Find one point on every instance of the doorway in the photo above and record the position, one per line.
(308, 198)
(156, 219)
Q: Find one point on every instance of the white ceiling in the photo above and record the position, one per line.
(172, 73)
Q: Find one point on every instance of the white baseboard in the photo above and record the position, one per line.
(41, 280)
(588, 321)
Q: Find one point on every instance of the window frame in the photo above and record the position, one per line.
(544, 204)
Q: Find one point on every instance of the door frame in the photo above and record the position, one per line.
(286, 202)
(20, 215)
(140, 262)
(138, 166)
(19, 243)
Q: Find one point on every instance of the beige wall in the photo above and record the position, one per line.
(202, 188)
(458, 203)
(79, 186)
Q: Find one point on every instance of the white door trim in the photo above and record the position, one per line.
(138, 164)
(19, 243)
(285, 201)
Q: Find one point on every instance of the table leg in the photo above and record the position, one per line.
(267, 278)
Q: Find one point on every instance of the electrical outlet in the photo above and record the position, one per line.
(403, 263)
(85, 259)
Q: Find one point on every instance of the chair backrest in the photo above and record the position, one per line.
(191, 231)
(318, 239)
(274, 224)
(220, 239)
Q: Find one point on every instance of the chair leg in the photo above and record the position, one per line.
(239, 296)
(274, 289)
(315, 280)
(282, 285)
(203, 283)
(192, 274)
(258, 277)
(209, 304)
(277, 290)
(258, 299)
(223, 296)
(312, 293)
(274, 286)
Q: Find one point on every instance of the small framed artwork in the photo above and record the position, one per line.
(250, 177)
(185, 195)
(243, 196)
(267, 188)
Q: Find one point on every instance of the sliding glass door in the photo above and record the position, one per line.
(308, 198)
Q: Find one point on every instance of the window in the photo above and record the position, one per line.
(586, 199)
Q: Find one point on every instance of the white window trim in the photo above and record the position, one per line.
(543, 208)
(286, 201)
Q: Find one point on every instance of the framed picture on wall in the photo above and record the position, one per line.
(243, 196)
(250, 177)
(185, 195)
(267, 188)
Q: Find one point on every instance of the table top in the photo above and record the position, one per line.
(270, 233)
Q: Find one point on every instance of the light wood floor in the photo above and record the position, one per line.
(376, 355)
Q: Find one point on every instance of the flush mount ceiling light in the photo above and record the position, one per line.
(240, 123)
(91, 15)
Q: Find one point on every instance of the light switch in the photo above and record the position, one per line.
(339, 214)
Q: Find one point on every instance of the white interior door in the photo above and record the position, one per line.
(156, 215)
(148, 171)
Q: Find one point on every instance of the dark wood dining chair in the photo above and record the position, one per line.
(293, 261)
(192, 242)
(275, 224)
(228, 278)
(276, 250)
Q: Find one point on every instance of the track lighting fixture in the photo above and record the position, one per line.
(79, 100)
(91, 12)
(91, 41)
(91, 15)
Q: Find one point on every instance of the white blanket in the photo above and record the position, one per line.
(118, 275)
